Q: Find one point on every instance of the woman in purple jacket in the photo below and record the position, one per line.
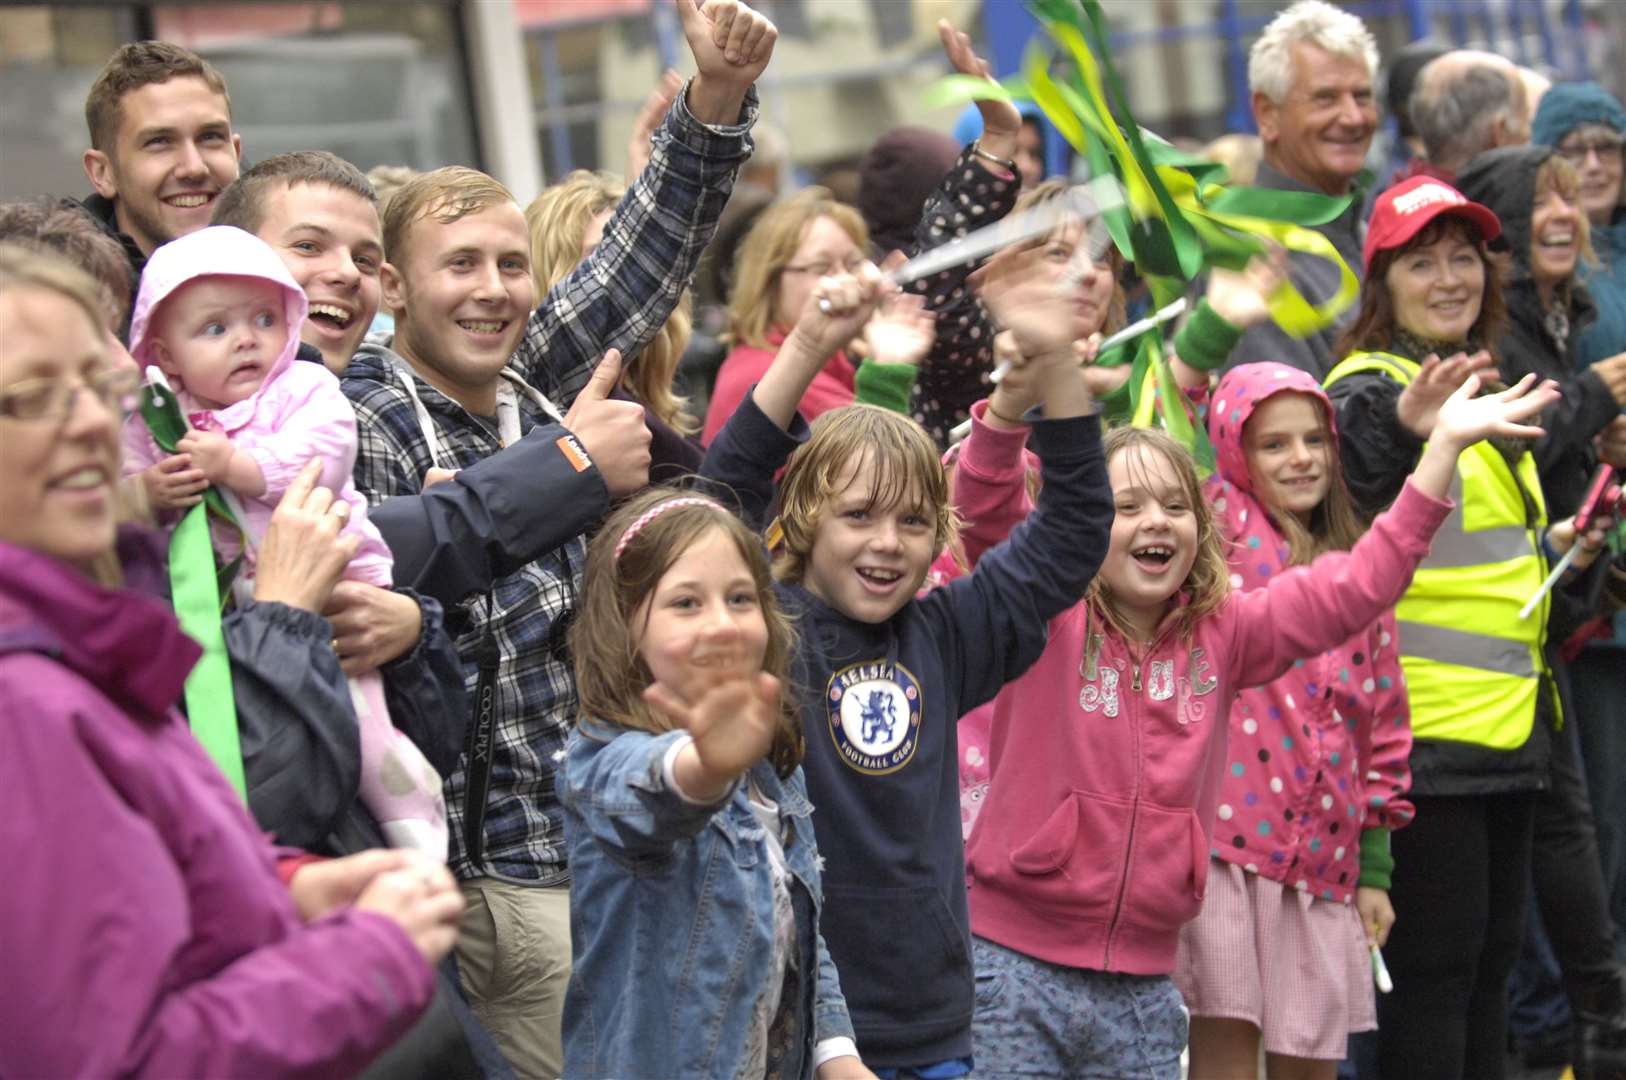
(149, 929)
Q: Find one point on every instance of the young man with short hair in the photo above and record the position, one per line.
(474, 365)
(161, 144)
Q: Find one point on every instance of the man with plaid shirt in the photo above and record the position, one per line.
(472, 368)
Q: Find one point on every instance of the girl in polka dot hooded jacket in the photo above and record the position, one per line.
(1324, 747)
(1315, 774)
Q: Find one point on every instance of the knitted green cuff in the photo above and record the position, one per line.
(886, 385)
(1206, 341)
(1377, 865)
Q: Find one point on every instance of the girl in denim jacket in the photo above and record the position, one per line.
(695, 889)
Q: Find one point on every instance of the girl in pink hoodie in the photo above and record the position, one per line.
(1091, 848)
(219, 315)
(1278, 952)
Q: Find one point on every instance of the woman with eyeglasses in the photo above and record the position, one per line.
(793, 244)
(1586, 125)
(149, 927)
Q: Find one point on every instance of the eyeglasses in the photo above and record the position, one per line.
(53, 399)
(1605, 147)
(825, 269)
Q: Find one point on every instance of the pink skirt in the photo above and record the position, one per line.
(1295, 967)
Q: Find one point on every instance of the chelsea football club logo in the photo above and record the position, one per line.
(874, 712)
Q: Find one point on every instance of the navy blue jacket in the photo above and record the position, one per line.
(879, 706)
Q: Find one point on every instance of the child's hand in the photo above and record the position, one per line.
(1377, 914)
(1243, 299)
(1028, 295)
(845, 1067)
(901, 331)
(210, 452)
(173, 484)
(1420, 401)
(836, 310)
(1465, 418)
(732, 720)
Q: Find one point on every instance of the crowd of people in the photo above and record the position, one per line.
(589, 683)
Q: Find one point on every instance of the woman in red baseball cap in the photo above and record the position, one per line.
(1480, 691)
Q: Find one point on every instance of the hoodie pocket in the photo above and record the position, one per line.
(902, 958)
(1073, 861)
(1168, 874)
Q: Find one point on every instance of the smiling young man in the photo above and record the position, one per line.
(319, 214)
(161, 144)
(475, 365)
(1310, 75)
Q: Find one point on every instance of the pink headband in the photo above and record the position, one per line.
(656, 511)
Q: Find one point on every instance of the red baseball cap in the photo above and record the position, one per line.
(1401, 212)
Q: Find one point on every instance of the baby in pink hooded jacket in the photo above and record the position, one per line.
(219, 314)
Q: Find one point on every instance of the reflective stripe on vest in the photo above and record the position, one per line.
(1473, 667)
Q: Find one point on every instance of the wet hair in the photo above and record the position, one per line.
(611, 676)
(243, 202)
(557, 220)
(769, 247)
(1334, 524)
(906, 461)
(1375, 329)
(1209, 581)
(447, 194)
(63, 227)
(132, 66)
(1117, 307)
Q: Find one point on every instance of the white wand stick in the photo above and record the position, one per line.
(1151, 322)
(1552, 579)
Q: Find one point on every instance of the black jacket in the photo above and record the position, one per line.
(1504, 179)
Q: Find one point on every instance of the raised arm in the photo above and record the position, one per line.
(620, 296)
(1308, 610)
(760, 435)
(976, 192)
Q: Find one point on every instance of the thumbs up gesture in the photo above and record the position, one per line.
(612, 432)
(731, 46)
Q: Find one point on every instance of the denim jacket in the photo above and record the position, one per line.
(671, 917)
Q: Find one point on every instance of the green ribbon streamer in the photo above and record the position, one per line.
(1179, 217)
(198, 593)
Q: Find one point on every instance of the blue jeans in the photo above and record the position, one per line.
(1035, 1018)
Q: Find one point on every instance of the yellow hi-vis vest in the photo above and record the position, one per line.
(1474, 668)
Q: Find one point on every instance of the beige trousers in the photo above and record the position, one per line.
(513, 955)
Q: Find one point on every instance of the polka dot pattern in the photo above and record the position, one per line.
(1300, 781)
(955, 375)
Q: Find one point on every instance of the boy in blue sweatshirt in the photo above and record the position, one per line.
(884, 675)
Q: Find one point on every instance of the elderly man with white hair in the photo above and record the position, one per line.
(1311, 77)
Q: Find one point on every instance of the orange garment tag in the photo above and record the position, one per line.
(573, 452)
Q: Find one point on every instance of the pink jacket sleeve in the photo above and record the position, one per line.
(305, 416)
(1307, 610)
(990, 489)
(1384, 739)
(98, 930)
